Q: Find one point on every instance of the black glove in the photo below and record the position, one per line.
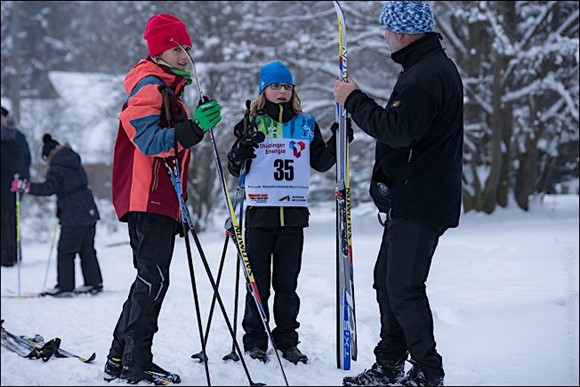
(247, 140)
(242, 151)
(349, 130)
(251, 135)
(188, 133)
(179, 229)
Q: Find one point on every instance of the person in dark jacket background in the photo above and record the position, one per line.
(277, 182)
(10, 125)
(416, 181)
(15, 160)
(78, 214)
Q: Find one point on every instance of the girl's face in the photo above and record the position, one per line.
(175, 57)
(279, 92)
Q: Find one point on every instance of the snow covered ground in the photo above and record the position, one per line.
(503, 288)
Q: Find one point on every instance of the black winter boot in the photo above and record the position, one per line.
(113, 368)
(387, 373)
(416, 377)
(89, 289)
(258, 354)
(152, 373)
(293, 355)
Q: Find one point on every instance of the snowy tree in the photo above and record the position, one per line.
(519, 62)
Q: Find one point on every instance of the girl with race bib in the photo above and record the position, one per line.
(277, 144)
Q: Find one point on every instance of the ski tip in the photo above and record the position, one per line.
(90, 359)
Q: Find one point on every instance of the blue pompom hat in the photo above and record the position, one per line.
(274, 72)
(407, 17)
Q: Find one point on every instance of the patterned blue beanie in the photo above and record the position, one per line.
(407, 17)
(275, 72)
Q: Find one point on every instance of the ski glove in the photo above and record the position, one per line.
(20, 186)
(254, 136)
(242, 151)
(207, 114)
(244, 146)
(349, 130)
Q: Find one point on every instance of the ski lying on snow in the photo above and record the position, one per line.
(36, 348)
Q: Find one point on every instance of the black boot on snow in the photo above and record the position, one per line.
(153, 374)
(258, 354)
(293, 355)
(416, 377)
(113, 368)
(388, 373)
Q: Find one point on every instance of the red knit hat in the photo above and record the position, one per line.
(159, 31)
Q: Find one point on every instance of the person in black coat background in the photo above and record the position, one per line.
(417, 182)
(13, 162)
(14, 133)
(78, 214)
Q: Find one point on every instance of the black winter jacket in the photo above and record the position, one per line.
(419, 134)
(322, 158)
(67, 178)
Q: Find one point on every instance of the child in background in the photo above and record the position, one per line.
(78, 214)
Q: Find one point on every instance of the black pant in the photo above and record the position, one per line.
(77, 240)
(152, 239)
(275, 254)
(8, 232)
(400, 274)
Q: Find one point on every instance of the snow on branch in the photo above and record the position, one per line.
(549, 83)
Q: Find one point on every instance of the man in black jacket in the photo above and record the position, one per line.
(416, 181)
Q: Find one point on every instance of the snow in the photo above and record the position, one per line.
(503, 289)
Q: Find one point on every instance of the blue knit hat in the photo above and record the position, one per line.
(407, 17)
(274, 72)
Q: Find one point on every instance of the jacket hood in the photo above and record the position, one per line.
(145, 68)
(64, 155)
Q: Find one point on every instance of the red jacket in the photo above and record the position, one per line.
(145, 137)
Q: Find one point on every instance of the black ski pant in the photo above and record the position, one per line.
(400, 274)
(77, 240)
(275, 255)
(8, 228)
(152, 239)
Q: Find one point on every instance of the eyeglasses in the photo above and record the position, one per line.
(278, 86)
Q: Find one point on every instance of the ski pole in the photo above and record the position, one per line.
(241, 184)
(201, 356)
(239, 198)
(18, 244)
(248, 124)
(249, 132)
(54, 231)
(175, 176)
(188, 228)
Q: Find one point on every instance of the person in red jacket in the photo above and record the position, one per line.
(152, 130)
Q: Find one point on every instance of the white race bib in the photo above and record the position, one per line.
(280, 173)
